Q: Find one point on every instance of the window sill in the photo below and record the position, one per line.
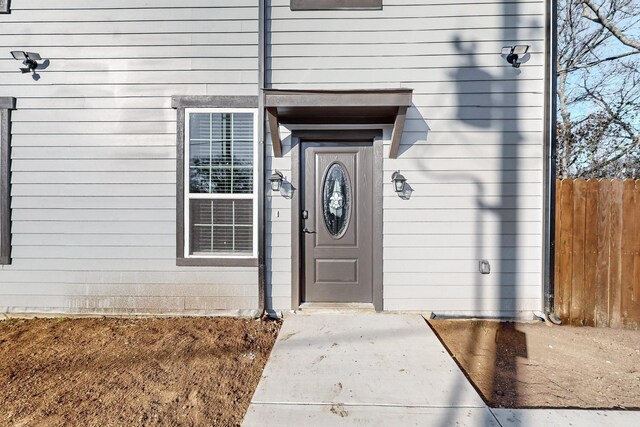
(217, 262)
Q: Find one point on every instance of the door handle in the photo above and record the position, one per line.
(307, 231)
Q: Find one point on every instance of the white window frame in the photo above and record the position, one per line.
(207, 196)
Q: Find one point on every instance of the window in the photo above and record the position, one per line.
(220, 183)
(335, 4)
(6, 105)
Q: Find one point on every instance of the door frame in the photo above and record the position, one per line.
(340, 136)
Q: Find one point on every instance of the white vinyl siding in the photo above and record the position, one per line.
(221, 183)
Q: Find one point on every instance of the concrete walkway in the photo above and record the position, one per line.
(382, 370)
(363, 369)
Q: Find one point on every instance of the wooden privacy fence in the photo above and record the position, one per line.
(597, 272)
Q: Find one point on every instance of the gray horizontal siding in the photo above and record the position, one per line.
(194, 275)
(127, 4)
(150, 63)
(95, 177)
(168, 115)
(471, 151)
(94, 202)
(89, 22)
(93, 152)
(115, 165)
(90, 41)
(86, 304)
(464, 21)
(424, 11)
(437, 215)
(141, 77)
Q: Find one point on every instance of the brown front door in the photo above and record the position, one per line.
(336, 237)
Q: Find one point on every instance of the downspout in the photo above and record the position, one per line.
(262, 222)
(551, 49)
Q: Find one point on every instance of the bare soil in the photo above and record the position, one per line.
(134, 372)
(534, 365)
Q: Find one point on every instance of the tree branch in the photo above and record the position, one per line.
(615, 117)
(613, 29)
(600, 61)
(566, 141)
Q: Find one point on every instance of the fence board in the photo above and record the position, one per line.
(627, 255)
(566, 249)
(577, 264)
(636, 269)
(597, 272)
(615, 261)
(602, 270)
(591, 253)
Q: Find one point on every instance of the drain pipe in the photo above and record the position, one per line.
(551, 47)
(262, 161)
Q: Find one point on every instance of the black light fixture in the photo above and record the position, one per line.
(398, 181)
(514, 54)
(276, 179)
(29, 59)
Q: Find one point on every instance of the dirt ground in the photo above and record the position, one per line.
(521, 365)
(134, 372)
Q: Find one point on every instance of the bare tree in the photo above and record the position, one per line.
(598, 88)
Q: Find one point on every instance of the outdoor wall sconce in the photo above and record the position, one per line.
(399, 182)
(514, 54)
(276, 179)
(29, 59)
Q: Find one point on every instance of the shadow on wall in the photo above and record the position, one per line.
(471, 81)
(286, 145)
(45, 64)
(487, 103)
(416, 130)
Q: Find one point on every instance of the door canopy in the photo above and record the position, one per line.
(351, 107)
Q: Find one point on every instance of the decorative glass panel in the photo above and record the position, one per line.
(221, 153)
(221, 226)
(336, 196)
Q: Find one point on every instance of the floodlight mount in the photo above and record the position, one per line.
(29, 60)
(514, 54)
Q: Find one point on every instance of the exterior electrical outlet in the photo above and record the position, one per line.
(485, 267)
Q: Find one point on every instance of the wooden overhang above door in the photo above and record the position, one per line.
(340, 107)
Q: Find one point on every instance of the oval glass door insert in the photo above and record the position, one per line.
(336, 197)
